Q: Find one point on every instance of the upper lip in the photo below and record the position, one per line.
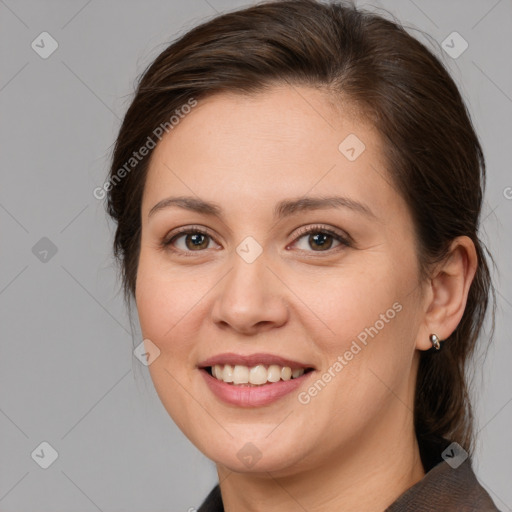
(251, 360)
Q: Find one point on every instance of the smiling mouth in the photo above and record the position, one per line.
(258, 375)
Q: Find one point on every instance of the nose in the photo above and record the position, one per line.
(250, 298)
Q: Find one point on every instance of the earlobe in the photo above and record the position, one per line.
(449, 288)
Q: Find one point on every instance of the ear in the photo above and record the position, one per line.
(447, 292)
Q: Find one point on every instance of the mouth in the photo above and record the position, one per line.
(254, 380)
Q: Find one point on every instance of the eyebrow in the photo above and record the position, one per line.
(285, 208)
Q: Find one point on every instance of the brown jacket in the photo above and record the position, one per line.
(443, 488)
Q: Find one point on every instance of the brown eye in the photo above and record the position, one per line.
(194, 241)
(191, 240)
(319, 239)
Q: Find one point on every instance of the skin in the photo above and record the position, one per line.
(352, 447)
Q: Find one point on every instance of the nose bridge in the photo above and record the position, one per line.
(249, 295)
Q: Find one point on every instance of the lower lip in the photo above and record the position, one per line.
(252, 396)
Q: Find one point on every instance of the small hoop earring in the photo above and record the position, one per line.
(435, 341)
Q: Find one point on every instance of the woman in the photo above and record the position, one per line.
(297, 189)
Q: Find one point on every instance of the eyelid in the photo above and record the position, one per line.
(317, 228)
(185, 229)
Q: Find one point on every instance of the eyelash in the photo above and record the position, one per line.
(190, 230)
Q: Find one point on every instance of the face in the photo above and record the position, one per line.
(267, 279)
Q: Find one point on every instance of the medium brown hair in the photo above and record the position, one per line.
(432, 152)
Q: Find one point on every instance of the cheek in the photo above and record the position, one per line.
(162, 309)
(368, 349)
(356, 305)
(162, 298)
(172, 308)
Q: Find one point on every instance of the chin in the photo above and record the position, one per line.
(244, 454)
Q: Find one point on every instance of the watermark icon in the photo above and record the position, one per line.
(455, 455)
(249, 454)
(351, 147)
(146, 352)
(304, 397)
(44, 250)
(44, 45)
(507, 192)
(144, 150)
(454, 45)
(249, 249)
(44, 455)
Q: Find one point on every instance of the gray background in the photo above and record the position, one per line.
(67, 373)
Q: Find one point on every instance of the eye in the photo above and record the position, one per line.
(188, 239)
(320, 239)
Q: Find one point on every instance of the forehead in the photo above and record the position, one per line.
(283, 142)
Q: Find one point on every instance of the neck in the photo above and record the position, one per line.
(368, 474)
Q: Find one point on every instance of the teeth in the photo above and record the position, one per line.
(227, 373)
(297, 373)
(217, 371)
(286, 373)
(274, 373)
(240, 375)
(256, 375)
